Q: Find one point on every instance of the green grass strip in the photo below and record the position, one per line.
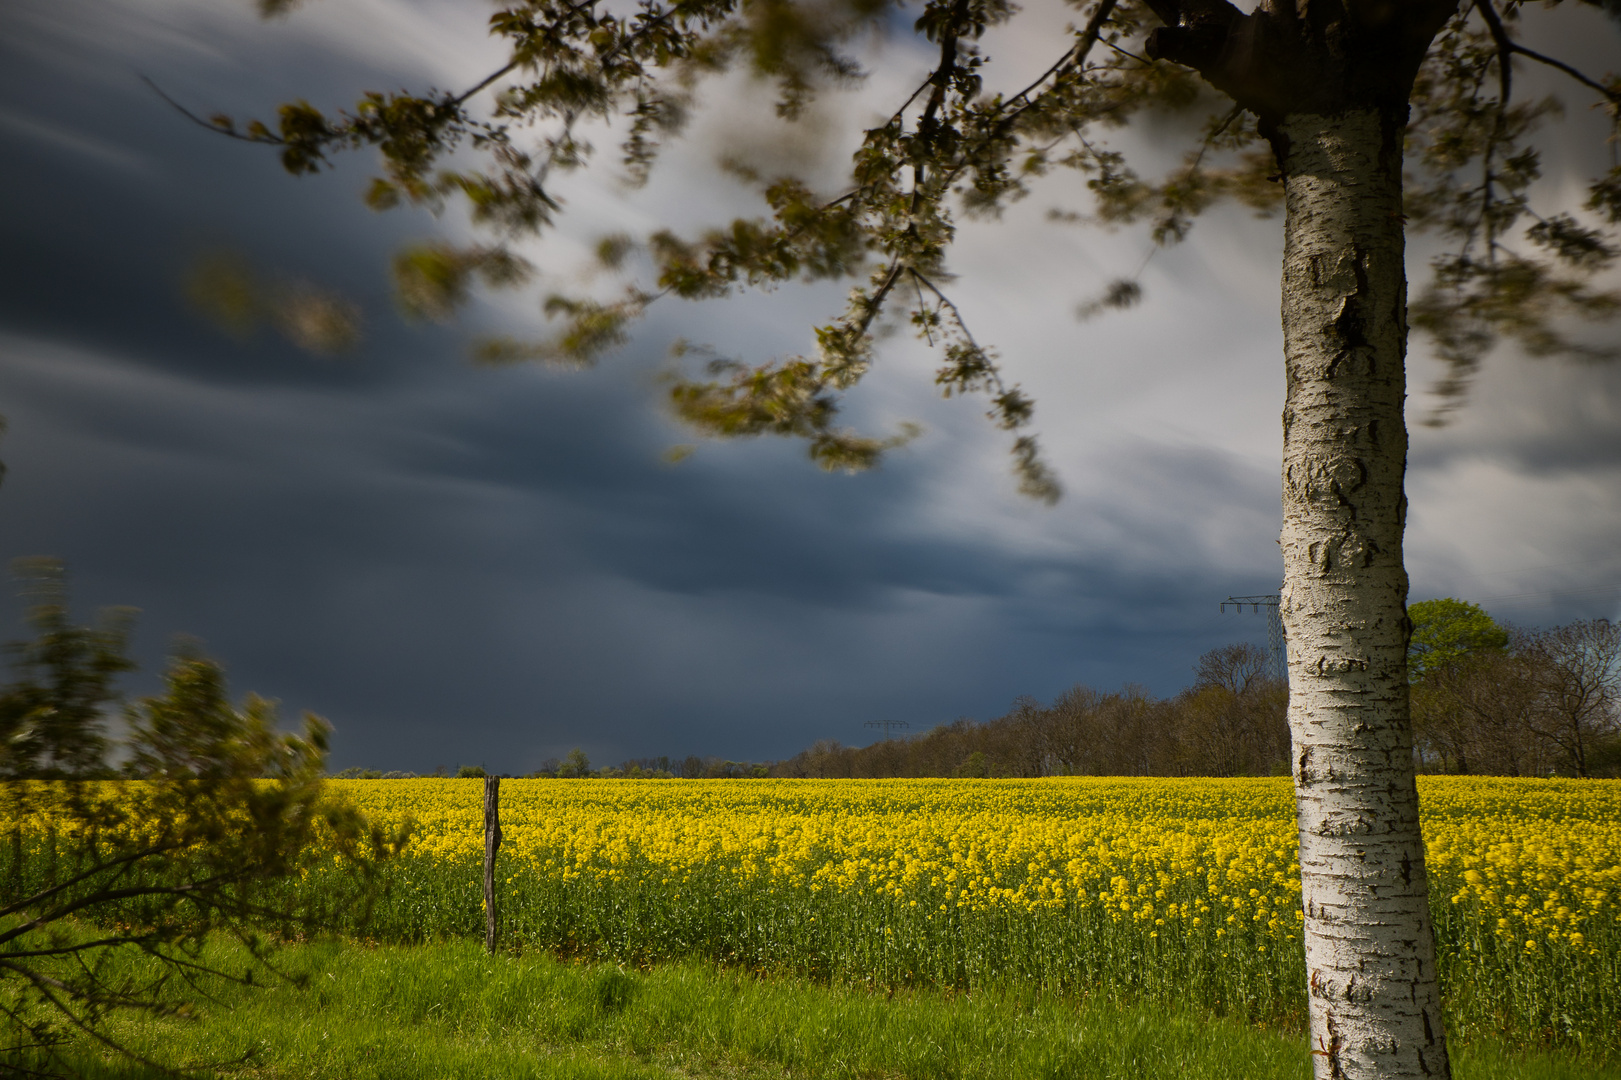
(448, 1011)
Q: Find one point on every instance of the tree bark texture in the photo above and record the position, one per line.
(1370, 949)
(492, 843)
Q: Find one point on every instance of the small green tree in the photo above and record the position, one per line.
(221, 809)
(575, 765)
(1445, 631)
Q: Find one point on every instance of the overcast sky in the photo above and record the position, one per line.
(458, 565)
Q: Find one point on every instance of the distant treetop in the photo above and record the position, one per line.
(1447, 630)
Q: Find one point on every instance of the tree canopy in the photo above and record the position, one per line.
(961, 145)
(1447, 630)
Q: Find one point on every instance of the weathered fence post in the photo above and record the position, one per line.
(492, 841)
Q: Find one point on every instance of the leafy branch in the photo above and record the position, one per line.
(1504, 279)
(949, 144)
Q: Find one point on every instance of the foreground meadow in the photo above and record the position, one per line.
(1180, 890)
(446, 1011)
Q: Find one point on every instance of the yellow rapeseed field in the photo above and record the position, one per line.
(1538, 860)
(1184, 887)
(1156, 852)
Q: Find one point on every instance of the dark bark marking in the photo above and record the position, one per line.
(1335, 1045)
(1326, 274)
(1348, 473)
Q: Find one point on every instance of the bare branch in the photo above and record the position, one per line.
(1505, 52)
(1507, 45)
(218, 129)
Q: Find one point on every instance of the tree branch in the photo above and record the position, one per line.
(122, 862)
(1195, 33)
(1074, 56)
(1505, 52)
(263, 140)
(68, 950)
(1507, 45)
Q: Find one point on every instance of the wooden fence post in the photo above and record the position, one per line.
(492, 841)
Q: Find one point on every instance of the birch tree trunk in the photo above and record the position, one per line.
(1370, 949)
(1328, 83)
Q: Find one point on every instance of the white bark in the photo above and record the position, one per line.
(1370, 949)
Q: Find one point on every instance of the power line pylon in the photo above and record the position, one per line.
(1277, 666)
(886, 725)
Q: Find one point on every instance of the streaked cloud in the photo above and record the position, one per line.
(462, 565)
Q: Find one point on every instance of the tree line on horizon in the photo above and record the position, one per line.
(1487, 699)
(1230, 722)
(1502, 700)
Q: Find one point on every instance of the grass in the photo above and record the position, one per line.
(447, 1011)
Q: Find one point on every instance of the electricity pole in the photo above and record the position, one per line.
(886, 725)
(1277, 666)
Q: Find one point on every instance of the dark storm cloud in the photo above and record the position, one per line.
(463, 565)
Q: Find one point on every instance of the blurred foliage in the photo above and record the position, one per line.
(225, 287)
(1512, 273)
(188, 826)
(53, 717)
(955, 146)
